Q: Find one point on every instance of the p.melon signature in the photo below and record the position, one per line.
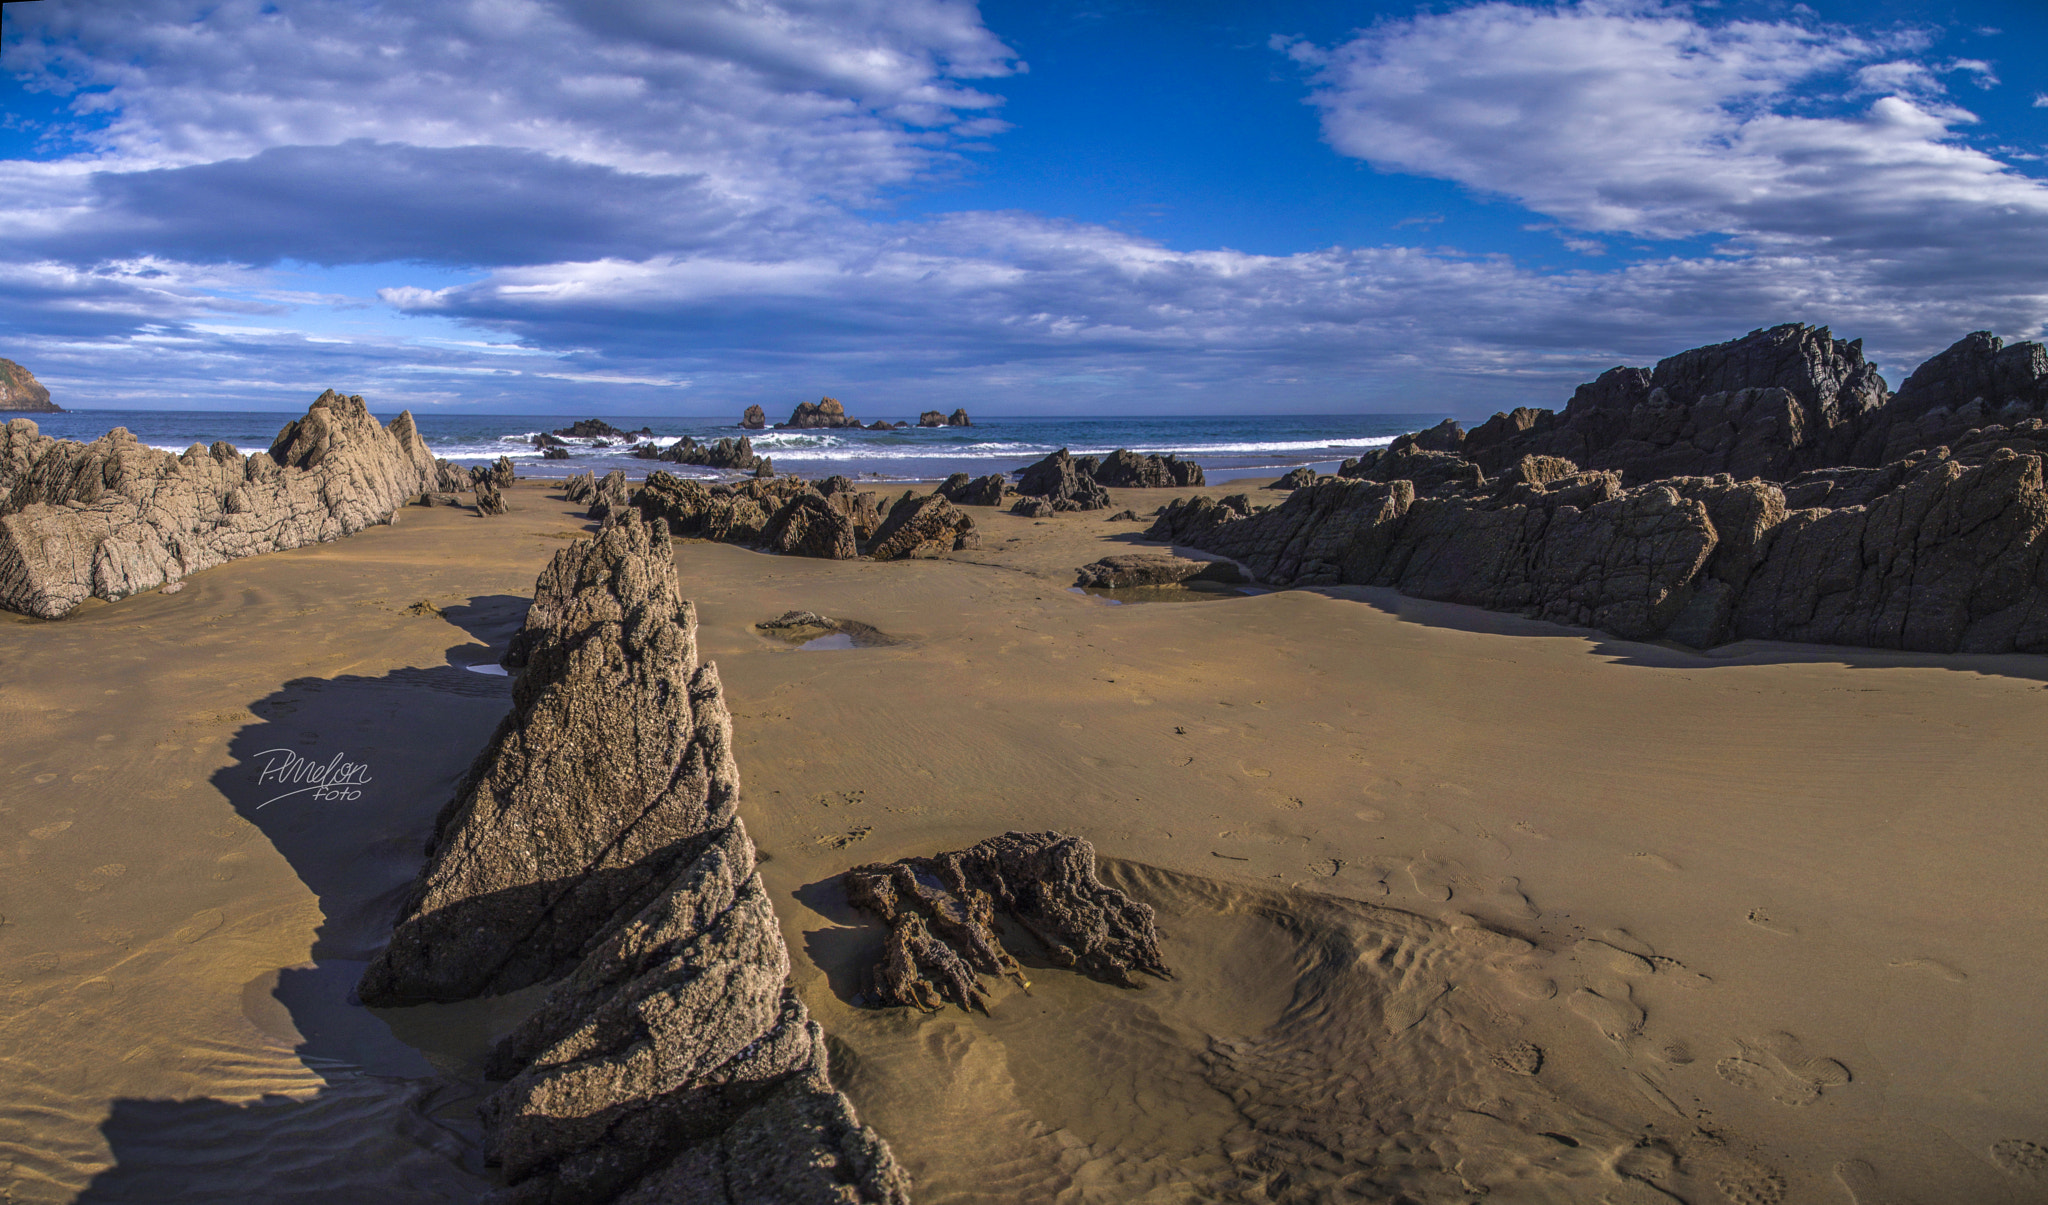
(338, 779)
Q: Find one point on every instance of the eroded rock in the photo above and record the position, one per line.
(941, 912)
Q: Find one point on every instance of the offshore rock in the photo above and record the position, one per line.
(755, 419)
(1063, 482)
(21, 392)
(597, 428)
(825, 412)
(933, 418)
(941, 914)
(112, 518)
(1125, 469)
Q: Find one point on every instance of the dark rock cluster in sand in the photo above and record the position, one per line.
(1062, 482)
(595, 844)
(941, 913)
(20, 391)
(829, 519)
(1754, 489)
(112, 517)
(962, 490)
(1137, 569)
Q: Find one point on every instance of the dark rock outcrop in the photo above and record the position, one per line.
(489, 499)
(1064, 483)
(723, 453)
(610, 497)
(1977, 383)
(449, 478)
(20, 392)
(755, 419)
(809, 525)
(596, 843)
(926, 526)
(961, 490)
(933, 418)
(1300, 478)
(597, 428)
(111, 518)
(1136, 569)
(554, 453)
(1124, 469)
(579, 487)
(825, 412)
(941, 914)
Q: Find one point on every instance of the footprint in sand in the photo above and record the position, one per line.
(2018, 1157)
(1861, 1182)
(1779, 1065)
(1523, 1058)
(201, 924)
(1510, 900)
(1762, 919)
(1933, 966)
(1327, 868)
(1614, 1015)
(1657, 860)
(1751, 1186)
(1431, 881)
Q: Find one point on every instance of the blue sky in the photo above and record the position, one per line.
(629, 207)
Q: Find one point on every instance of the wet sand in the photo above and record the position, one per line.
(1458, 903)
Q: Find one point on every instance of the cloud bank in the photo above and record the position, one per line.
(674, 207)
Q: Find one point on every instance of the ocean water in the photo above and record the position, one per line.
(994, 445)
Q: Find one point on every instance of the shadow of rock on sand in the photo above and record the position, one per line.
(391, 1122)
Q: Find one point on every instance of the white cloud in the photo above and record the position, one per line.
(1642, 120)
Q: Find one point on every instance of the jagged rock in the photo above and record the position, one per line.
(809, 525)
(1126, 515)
(1129, 570)
(113, 518)
(825, 412)
(595, 842)
(925, 526)
(942, 929)
(554, 454)
(961, 490)
(931, 418)
(544, 441)
(489, 500)
(582, 487)
(1034, 508)
(755, 419)
(502, 474)
(959, 418)
(1064, 482)
(1976, 383)
(597, 428)
(450, 478)
(1297, 479)
(610, 497)
(724, 453)
(1429, 471)
(20, 391)
(1125, 469)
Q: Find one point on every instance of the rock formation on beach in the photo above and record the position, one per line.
(1061, 482)
(831, 519)
(941, 913)
(825, 412)
(110, 518)
(1939, 550)
(20, 392)
(596, 844)
(1133, 569)
(1125, 469)
(962, 490)
(755, 419)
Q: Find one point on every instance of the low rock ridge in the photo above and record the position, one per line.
(1928, 554)
(943, 934)
(722, 453)
(1771, 405)
(1064, 482)
(20, 392)
(933, 418)
(595, 844)
(114, 517)
(830, 519)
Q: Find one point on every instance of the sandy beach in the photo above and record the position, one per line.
(1459, 904)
